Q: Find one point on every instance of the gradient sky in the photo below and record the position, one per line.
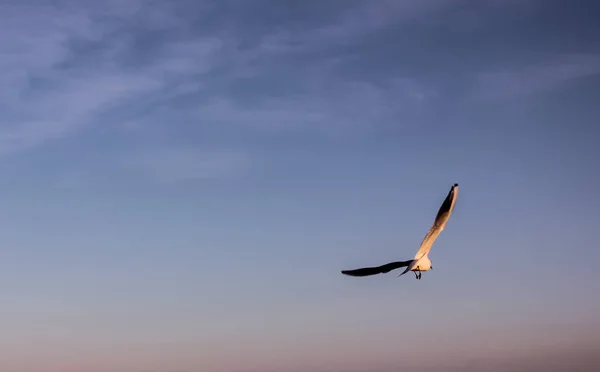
(183, 182)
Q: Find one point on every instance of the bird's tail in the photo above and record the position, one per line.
(410, 266)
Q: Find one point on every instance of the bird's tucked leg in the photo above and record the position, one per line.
(418, 273)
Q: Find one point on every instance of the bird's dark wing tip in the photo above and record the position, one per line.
(359, 272)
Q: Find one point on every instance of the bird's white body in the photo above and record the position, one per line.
(422, 264)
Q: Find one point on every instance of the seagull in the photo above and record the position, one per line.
(421, 261)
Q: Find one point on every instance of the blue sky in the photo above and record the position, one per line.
(183, 182)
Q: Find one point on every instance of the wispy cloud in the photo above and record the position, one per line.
(528, 80)
(68, 105)
(72, 65)
(350, 24)
(173, 165)
(140, 67)
(41, 100)
(321, 107)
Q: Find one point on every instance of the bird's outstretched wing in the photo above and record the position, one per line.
(440, 222)
(366, 271)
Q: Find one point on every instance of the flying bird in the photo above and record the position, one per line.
(421, 261)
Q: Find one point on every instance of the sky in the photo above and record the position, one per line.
(183, 182)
